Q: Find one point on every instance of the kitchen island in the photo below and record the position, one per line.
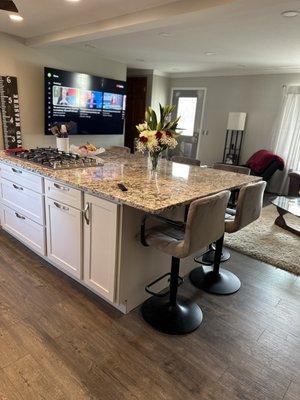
(82, 223)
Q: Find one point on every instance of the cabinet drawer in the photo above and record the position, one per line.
(24, 229)
(22, 177)
(64, 237)
(25, 201)
(63, 193)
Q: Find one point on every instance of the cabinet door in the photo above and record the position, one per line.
(64, 237)
(100, 246)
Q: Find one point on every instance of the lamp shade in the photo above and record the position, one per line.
(236, 121)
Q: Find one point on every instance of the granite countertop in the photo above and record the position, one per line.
(173, 185)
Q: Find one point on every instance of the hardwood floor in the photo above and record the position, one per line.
(57, 341)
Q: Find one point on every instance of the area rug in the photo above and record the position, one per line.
(267, 242)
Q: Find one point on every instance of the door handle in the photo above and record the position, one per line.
(19, 216)
(17, 187)
(86, 212)
(60, 206)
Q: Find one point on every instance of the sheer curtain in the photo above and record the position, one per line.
(287, 133)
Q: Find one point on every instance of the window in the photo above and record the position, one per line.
(187, 107)
(287, 133)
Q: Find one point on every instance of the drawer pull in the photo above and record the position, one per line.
(17, 171)
(57, 186)
(17, 187)
(19, 216)
(61, 207)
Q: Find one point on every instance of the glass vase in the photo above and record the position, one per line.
(153, 160)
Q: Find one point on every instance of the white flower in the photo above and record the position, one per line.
(169, 141)
(142, 127)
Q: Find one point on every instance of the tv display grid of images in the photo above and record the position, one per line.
(103, 111)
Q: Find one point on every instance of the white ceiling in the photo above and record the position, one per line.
(44, 16)
(248, 36)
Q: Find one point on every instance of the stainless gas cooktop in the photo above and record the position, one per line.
(52, 158)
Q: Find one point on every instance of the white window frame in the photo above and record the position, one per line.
(173, 88)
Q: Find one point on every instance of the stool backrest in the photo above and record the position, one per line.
(205, 222)
(120, 149)
(248, 207)
(232, 168)
(186, 160)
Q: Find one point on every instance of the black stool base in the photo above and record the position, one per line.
(209, 256)
(223, 283)
(182, 318)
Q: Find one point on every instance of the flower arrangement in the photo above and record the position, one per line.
(157, 135)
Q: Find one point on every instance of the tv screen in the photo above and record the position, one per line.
(96, 106)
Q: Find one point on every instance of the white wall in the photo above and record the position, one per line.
(160, 91)
(27, 65)
(258, 95)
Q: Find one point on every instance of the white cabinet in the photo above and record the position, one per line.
(64, 237)
(25, 201)
(22, 177)
(24, 229)
(63, 193)
(100, 246)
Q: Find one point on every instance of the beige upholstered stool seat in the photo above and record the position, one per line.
(248, 207)
(120, 149)
(232, 168)
(204, 224)
(186, 160)
(218, 280)
(166, 238)
(208, 257)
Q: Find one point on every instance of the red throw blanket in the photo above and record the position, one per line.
(260, 161)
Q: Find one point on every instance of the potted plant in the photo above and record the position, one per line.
(157, 134)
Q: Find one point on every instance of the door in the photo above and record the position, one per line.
(135, 108)
(190, 107)
(64, 237)
(100, 246)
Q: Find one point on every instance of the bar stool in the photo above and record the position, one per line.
(171, 313)
(208, 257)
(218, 280)
(232, 168)
(120, 149)
(186, 160)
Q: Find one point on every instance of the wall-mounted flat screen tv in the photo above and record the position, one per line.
(95, 105)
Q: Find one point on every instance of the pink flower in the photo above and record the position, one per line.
(168, 133)
(158, 135)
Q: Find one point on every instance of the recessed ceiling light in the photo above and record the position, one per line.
(210, 53)
(73, 1)
(290, 13)
(16, 17)
(164, 34)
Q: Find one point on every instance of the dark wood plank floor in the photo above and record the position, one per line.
(59, 342)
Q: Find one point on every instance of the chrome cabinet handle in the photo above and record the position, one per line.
(17, 171)
(57, 186)
(60, 206)
(19, 216)
(86, 213)
(17, 187)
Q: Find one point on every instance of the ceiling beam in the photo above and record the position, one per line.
(164, 15)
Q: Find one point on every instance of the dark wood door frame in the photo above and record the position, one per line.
(135, 108)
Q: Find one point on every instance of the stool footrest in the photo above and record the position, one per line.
(148, 290)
